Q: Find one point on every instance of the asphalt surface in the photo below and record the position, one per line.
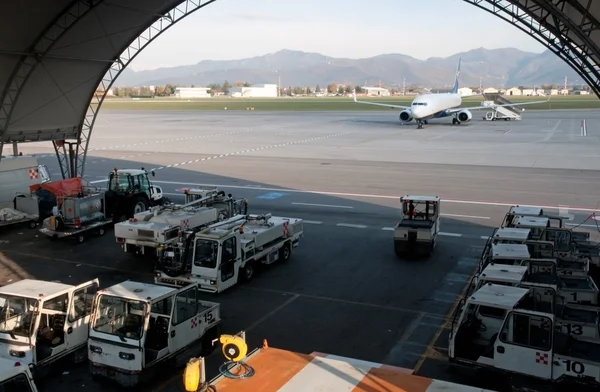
(344, 292)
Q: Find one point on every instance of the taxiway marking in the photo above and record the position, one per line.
(364, 195)
(322, 205)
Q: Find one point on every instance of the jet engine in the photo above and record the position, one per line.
(406, 116)
(464, 116)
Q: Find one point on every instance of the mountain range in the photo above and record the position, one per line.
(506, 67)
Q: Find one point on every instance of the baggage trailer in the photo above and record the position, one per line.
(44, 322)
(10, 217)
(138, 329)
(77, 215)
(227, 252)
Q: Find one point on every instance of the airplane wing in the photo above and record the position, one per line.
(387, 105)
(455, 110)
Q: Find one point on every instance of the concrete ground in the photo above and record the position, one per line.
(345, 292)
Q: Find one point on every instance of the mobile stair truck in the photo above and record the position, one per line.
(225, 253)
(496, 329)
(417, 232)
(79, 210)
(211, 196)
(16, 376)
(139, 328)
(43, 322)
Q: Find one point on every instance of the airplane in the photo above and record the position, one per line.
(430, 106)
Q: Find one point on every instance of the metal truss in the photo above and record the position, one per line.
(547, 22)
(76, 156)
(35, 54)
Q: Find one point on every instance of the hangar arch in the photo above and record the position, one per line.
(64, 50)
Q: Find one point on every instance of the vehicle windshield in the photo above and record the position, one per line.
(120, 317)
(17, 315)
(418, 210)
(118, 183)
(205, 253)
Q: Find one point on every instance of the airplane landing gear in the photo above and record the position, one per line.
(419, 124)
(455, 121)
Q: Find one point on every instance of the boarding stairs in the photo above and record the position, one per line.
(493, 100)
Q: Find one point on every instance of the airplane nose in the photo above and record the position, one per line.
(416, 112)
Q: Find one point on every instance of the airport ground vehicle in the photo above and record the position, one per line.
(79, 210)
(417, 232)
(129, 192)
(221, 255)
(16, 376)
(42, 322)
(513, 338)
(17, 173)
(162, 226)
(138, 328)
(515, 211)
(579, 320)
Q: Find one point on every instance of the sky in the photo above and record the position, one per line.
(236, 29)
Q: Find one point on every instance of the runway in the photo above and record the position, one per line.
(344, 292)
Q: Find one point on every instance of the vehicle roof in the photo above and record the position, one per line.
(131, 172)
(504, 273)
(32, 288)
(510, 251)
(498, 296)
(138, 290)
(531, 221)
(511, 233)
(9, 368)
(420, 198)
(526, 210)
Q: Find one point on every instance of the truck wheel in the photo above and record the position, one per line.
(139, 205)
(101, 231)
(32, 224)
(247, 272)
(207, 340)
(80, 239)
(285, 252)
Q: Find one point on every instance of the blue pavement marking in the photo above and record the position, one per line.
(271, 195)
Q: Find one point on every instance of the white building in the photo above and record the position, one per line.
(490, 90)
(513, 91)
(376, 91)
(465, 91)
(192, 92)
(256, 91)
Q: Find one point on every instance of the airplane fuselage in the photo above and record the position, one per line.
(429, 106)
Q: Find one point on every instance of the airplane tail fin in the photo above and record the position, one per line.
(455, 86)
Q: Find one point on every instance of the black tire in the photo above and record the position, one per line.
(139, 204)
(101, 231)
(80, 238)
(32, 224)
(285, 253)
(247, 273)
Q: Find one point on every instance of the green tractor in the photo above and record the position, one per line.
(129, 192)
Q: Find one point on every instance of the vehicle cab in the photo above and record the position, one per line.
(516, 211)
(496, 328)
(41, 322)
(139, 325)
(16, 376)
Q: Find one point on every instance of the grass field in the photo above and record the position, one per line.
(325, 103)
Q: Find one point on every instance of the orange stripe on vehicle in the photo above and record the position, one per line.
(388, 379)
(273, 369)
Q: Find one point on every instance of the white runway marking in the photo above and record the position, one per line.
(322, 205)
(466, 216)
(352, 225)
(310, 222)
(366, 196)
(450, 234)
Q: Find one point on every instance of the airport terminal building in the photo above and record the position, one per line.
(256, 91)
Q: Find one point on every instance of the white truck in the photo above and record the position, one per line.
(496, 329)
(42, 322)
(581, 321)
(16, 376)
(162, 225)
(515, 211)
(139, 328)
(417, 231)
(221, 255)
(17, 173)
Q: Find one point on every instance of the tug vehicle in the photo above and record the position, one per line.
(138, 328)
(227, 252)
(15, 376)
(417, 232)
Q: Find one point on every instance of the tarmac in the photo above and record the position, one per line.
(344, 292)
